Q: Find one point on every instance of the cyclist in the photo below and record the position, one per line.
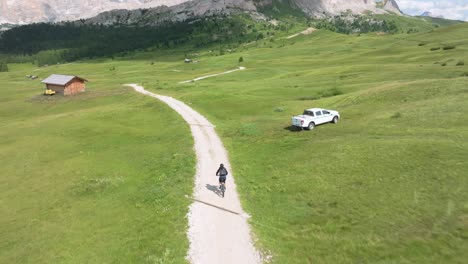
(222, 173)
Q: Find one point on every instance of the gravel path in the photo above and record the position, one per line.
(218, 229)
(305, 32)
(213, 75)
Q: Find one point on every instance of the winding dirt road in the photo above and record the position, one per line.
(305, 32)
(213, 75)
(218, 229)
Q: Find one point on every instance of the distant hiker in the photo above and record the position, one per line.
(222, 173)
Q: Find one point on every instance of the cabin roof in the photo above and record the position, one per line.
(59, 79)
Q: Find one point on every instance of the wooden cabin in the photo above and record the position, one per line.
(65, 84)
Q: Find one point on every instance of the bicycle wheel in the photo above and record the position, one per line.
(223, 189)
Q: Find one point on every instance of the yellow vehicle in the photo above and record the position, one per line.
(49, 92)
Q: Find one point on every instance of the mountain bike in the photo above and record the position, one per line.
(222, 188)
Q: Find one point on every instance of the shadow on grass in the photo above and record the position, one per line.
(293, 129)
(214, 188)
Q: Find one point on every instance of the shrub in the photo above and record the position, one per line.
(460, 63)
(396, 115)
(444, 64)
(448, 47)
(322, 94)
(435, 48)
(3, 67)
(332, 92)
(279, 109)
(241, 59)
(421, 44)
(465, 74)
(308, 98)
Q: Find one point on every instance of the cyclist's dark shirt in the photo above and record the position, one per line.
(222, 171)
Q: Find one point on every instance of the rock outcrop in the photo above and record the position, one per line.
(30, 11)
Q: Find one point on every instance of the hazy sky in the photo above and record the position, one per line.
(451, 9)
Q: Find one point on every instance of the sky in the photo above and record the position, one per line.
(450, 9)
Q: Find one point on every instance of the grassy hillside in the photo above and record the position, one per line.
(407, 24)
(386, 185)
(94, 178)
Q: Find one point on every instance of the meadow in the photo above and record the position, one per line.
(93, 178)
(99, 178)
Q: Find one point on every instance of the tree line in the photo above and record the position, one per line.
(349, 24)
(55, 43)
(45, 43)
(3, 66)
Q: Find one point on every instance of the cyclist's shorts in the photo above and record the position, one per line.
(222, 179)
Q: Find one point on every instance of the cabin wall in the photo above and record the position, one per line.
(74, 87)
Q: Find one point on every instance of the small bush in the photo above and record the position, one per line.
(241, 59)
(421, 44)
(279, 109)
(465, 74)
(444, 64)
(396, 115)
(435, 48)
(322, 94)
(448, 47)
(308, 98)
(460, 63)
(332, 92)
(3, 67)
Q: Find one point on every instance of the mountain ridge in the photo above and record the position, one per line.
(32, 11)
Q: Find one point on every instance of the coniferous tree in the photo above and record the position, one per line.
(3, 67)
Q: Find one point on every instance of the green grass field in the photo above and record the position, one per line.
(98, 178)
(94, 178)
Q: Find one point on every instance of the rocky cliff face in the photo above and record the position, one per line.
(392, 6)
(182, 12)
(29, 11)
(320, 8)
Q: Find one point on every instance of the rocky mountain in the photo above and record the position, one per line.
(186, 11)
(319, 8)
(29, 11)
(430, 14)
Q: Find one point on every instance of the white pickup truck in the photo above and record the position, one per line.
(315, 116)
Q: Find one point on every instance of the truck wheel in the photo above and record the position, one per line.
(311, 126)
(335, 120)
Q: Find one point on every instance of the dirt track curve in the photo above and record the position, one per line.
(218, 229)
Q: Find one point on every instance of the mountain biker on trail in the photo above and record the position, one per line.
(222, 173)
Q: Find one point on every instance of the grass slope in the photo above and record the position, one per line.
(93, 178)
(408, 24)
(385, 185)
